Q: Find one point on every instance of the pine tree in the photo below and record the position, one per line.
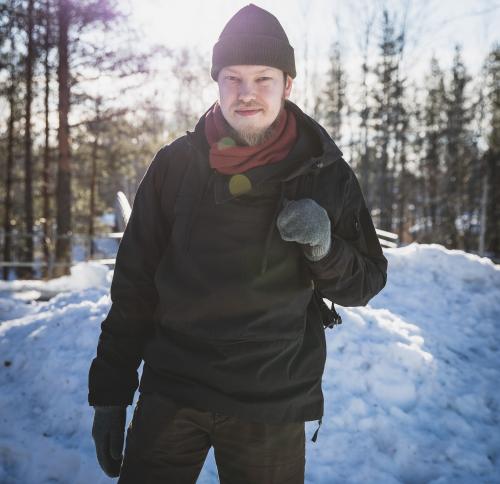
(401, 140)
(48, 45)
(366, 150)
(188, 68)
(433, 126)
(457, 154)
(30, 60)
(490, 242)
(387, 113)
(11, 63)
(72, 16)
(332, 102)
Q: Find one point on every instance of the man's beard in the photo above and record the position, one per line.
(251, 137)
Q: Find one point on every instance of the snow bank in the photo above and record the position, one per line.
(82, 276)
(410, 380)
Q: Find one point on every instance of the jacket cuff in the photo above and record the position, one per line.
(108, 408)
(317, 252)
(108, 386)
(322, 268)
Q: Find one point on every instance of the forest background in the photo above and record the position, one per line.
(91, 89)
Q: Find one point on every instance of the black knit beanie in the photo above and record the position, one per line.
(253, 36)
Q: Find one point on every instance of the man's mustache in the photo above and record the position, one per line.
(248, 107)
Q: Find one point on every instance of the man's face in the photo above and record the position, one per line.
(251, 98)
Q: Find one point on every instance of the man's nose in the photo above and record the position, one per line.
(247, 92)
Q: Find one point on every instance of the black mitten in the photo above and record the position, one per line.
(108, 432)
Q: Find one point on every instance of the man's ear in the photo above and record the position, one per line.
(288, 86)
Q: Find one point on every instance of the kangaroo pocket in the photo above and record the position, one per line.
(215, 289)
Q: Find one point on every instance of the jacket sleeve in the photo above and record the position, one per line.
(113, 377)
(355, 269)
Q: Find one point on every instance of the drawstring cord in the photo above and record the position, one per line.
(315, 436)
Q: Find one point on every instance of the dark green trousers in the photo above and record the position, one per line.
(167, 443)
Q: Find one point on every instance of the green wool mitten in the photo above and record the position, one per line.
(108, 433)
(306, 222)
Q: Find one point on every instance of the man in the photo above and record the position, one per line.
(238, 230)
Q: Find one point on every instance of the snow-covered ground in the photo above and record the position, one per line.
(411, 380)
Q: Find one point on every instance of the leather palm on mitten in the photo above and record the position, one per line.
(306, 222)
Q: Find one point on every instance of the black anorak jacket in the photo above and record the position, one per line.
(224, 313)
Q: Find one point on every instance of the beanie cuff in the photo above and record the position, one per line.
(244, 49)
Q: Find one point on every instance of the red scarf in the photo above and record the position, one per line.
(229, 158)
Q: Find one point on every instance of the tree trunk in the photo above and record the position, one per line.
(7, 248)
(28, 255)
(46, 217)
(492, 242)
(402, 198)
(365, 161)
(484, 213)
(93, 179)
(63, 192)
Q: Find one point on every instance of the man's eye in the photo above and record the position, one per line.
(232, 78)
(264, 78)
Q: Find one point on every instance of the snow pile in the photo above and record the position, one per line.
(409, 381)
(82, 276)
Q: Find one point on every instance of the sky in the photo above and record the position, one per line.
(435, 26)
